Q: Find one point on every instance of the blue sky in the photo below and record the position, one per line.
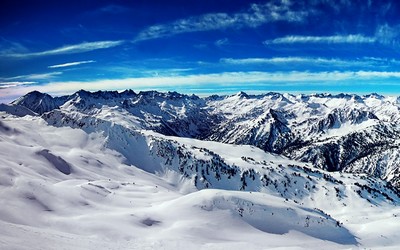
(202, 47)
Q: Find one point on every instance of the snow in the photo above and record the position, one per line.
(347, 128)
(16, 110)
(231, 153)
(110, 183)
(104, 204)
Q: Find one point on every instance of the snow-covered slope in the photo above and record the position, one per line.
(109, 170)
(69, 186)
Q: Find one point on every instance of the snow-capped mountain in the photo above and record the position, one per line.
(166, 170)
(39, 102)
(333, 132)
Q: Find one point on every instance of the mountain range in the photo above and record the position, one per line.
(348, 133)
(312, 168)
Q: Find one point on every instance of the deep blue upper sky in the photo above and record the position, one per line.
(203, 47)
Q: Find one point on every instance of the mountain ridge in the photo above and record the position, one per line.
(332, 132)
(140, 168)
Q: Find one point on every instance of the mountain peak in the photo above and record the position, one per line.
(128, 93)
(37, 102)
(375, 95)
(242, 94)
(31, 95)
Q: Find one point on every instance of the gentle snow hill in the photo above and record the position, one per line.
(102, 203)
(80, 181)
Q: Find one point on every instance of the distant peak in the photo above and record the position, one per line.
(35, 92)
(321, 95)
(374, 95)
(82, 93)
(104, 94)
(242, 94)
(37, 102)
(149, 93)
(174, 94)
(30, 97)
(128, 92)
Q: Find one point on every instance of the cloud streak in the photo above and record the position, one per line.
(44, 76)
(280, 60)
(384, 34)
(68, 49)
(70, 64)
(219, 80)
(221, 42)
(314, 61)
(4, 85)
(256, 15)
(354, 39)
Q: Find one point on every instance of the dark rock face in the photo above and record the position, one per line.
(37, 102)
(59, 163)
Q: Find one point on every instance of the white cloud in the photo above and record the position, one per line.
(357, 38)
(318, 61)
(68, 49)
(280, 60)
(221, 42)
(10, 47)
(44, 76)
(377, 74)
(70, 64)
(255, 16)
(14, 84)
(387, 34)
(384, 34)
(220, 80)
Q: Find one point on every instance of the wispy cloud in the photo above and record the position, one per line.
(221, 42)
(280, 60)
(384, 34)
(43, 76)
(70, 64)
(315, 61)
(4, 85)
(68, 49)
(355, 39)
(255, 16)
(387, 34)
(11, 47)
(114, 9)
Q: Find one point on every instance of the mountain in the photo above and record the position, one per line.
(39, 102)
(332, 132)
(166, 170)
